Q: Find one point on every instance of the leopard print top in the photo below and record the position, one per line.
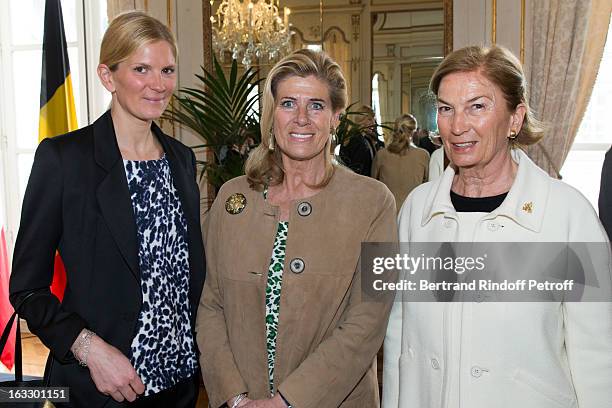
(163, 350)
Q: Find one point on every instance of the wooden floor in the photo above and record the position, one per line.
(35, 356)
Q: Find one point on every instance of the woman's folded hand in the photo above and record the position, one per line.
(112, 372)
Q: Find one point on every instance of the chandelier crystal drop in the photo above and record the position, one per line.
(251, 30)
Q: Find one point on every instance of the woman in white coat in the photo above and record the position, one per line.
(472, 355)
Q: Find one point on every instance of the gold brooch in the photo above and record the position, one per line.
(235, 203)
(528, 207)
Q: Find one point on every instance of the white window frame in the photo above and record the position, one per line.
(93, 101)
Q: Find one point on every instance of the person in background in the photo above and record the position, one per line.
(423, 140)
(356, 154)
(284, 297)
(367, 120)
(497, 354)
(401, 166)
(605, 194)
(358, 151)
(118, 199)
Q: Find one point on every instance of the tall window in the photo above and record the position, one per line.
(21, 35)
(376, 98)
(582, 169)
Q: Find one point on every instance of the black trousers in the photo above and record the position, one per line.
(182, 395)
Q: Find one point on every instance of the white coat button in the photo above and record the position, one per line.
(304, 209)
(492, 226)
(297, 265)
(435, 364)
(448, 223)
(477, 371)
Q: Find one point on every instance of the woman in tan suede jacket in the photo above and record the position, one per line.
(282, 316)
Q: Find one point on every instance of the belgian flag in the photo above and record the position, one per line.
(57, 112)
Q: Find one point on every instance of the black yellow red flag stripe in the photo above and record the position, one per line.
(57, 111)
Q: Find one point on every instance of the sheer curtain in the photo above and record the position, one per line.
(567, 45)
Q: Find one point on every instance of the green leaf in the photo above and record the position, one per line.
(218, 111)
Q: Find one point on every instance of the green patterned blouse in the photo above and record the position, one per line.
(273, 294)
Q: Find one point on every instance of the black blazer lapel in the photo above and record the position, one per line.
(183, 176)
(113, 194)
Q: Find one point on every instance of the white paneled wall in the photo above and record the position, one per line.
(473, 24)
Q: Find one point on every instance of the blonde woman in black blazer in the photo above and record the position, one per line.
(125, 326)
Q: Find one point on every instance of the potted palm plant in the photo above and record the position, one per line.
(223, 114)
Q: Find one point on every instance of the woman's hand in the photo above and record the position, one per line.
(274, 402)
(112, 372)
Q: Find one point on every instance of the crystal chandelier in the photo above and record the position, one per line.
(251, 30)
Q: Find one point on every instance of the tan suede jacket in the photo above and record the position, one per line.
(327, 336)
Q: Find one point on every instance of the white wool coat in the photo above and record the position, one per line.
(483, 355)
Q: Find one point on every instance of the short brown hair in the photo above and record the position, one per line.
(128, 32)
(502, 68)
(264, 167)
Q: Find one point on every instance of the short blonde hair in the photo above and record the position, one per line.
(403, 130)
(128, 32)
(502, 68)
(264, 167)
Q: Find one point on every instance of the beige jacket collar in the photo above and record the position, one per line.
(525, 202)
(318, 200)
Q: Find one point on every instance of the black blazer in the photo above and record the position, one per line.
(77, 201)
(356, 154)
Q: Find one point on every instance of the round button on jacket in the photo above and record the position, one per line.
(304, 209)
(297, 265)
(476, 371)
(492, 226)
(435, 364)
